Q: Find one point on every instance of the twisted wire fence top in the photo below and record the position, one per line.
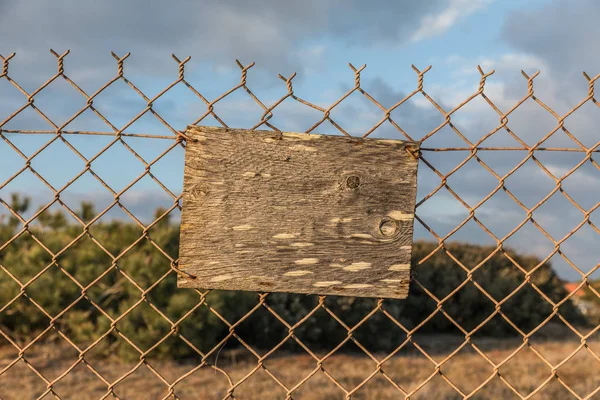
(60, 132)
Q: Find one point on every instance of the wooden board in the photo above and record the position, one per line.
(288, 212)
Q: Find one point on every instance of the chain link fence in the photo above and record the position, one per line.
(430, 370)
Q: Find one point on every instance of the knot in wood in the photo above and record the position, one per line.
(388, 227)
(353, 181)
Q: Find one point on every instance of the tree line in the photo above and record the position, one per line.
(86, 280)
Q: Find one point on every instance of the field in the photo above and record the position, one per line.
(408, 369)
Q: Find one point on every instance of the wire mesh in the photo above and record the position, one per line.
(291, 388)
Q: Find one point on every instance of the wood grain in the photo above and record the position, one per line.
(288, 212)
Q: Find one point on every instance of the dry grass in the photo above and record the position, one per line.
(408, 369)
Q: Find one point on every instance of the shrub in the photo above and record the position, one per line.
(114, 275)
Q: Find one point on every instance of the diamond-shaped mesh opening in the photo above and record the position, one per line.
(582, 185)
(52, 220)
(463, 182)
(261, 319)
(475, 129)
(439, 336)
(436, 387)
(473, 229)
(321, 332)
(481, 306)
(113, 292)
(29, 201)
(319, 384)
(51, 346)
(407, 368)
(166, 159)
(195, 384)
(236, 359)
(556, 226)
(498, 276)
(84, 260)
(44, 288)
(293, 116)
(440, 274)
(154, 387)
(239, 109)
(78, 377)
(52, 172)
(89, 121)
(503, 341)
(113, 174)
(465, 359)
(260, 383)
(349, 381)
(19, 379)
(443, 137)
(525, 371)
(576, 245)
(135, 200)
(531, 122)
(445, 163)
(377, 386)
(202, 329)
(389, 332)
(25, 258)
(86, 189)
(578, 313)
(23, 321)
(442, 212)
(169, 106)
(60, 112)
(114, 230)
(119, 103)
(416, 309)
(517, 307)
(530, 184)
(277, 361)
(106, 357)
(149, 123)
(530, 240)
(27, 119)
(496, 388)
(356, 105)
(409, 117)
(500, 203)
(581, 123)
(143, 327)
(84, 324)
(555, 340)
(144, 264)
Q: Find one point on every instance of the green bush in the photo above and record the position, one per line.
(104, 275)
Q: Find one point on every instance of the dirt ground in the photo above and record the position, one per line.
(408, 369)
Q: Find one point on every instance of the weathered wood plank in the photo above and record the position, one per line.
(303, 213)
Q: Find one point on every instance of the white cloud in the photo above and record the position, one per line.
(435, 24)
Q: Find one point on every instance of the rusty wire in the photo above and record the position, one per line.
(178, 138)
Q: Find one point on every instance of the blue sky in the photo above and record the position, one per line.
(315, 39)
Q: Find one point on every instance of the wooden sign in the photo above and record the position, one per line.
(287, 212)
